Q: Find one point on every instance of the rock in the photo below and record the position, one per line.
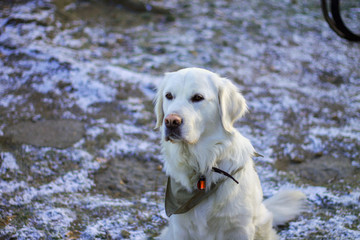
(125, 234)
(144, 6)
(323, 170)
(48, 133)
(111, 111)
(330, 77)
(297, 159)
(129, 176)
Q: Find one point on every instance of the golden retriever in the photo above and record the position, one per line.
(213, 191)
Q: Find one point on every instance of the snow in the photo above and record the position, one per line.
(71, 182)
(330, 228)
(11, 186)
(59, 217)
(275, 51)
(8, 163)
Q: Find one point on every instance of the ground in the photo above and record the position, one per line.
(79, 156)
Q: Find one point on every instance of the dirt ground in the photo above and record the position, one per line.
(78, 153)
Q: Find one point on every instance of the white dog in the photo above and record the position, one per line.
(213, 189)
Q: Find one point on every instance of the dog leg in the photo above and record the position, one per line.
(266, 232)
(175, 230)
(239, 233)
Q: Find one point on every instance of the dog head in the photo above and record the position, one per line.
(192, 102)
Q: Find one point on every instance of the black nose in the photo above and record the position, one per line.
(173, 121)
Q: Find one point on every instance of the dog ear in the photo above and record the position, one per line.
(159, 112)
(232, 104)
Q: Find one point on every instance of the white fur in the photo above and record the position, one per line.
(208, 139)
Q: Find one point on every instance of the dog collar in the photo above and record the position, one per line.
(201, 185)
(178, 200)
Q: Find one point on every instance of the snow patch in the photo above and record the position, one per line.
(8, 163)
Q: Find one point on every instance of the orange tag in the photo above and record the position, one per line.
(201, 185)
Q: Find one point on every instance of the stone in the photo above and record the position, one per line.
(323, 170)
(49, 133)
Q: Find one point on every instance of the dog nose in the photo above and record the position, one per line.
(173, 121)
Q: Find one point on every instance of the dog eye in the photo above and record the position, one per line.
(197, 98)
(169, 96)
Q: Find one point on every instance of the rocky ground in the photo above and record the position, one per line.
(79, 156)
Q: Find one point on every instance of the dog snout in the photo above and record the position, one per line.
(173, 121)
